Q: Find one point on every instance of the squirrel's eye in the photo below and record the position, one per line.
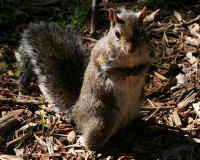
(117, 34)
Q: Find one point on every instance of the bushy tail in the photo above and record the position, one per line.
(56, 56)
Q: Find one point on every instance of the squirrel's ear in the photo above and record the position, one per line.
(113, 16)
(143, 14)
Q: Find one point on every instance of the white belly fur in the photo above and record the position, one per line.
(128, 93)
(127, 90)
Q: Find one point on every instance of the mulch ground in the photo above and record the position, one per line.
(168, 126)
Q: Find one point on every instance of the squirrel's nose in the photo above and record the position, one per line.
(130, 49)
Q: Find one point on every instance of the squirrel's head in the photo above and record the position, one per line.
(126, 29)
(126, 44)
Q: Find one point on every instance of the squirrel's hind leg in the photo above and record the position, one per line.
(97, 131)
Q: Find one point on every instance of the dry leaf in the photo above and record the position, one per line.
(19, 152)
(49, 141)
(9, 157)
(192, 41)
(194, 30)
(180, 78)
(191, 58)
(10, 73)
(71, 137)
(178, 16)
(40, 141)
(176, 118)
(151, 16)
(196, 107)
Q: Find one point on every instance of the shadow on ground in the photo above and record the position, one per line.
(142, 140)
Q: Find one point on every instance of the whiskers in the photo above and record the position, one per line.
(123, 50)
(116, 54)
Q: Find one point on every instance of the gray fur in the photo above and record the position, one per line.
(56, 56)
(107, 102)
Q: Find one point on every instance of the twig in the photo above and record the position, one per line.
(194, 20)
(190, 129)
(26, 135)
(160, 76)
(151, 103)
(154, 108)
(190, 98)
(162, 29)
(197, 70)
(151, 16)
(179, 98)
(40, 141)
(92, 26)
(176, 118)
(89, 38)
(166, 27)
(10, 121)
(12, 101)
(39, 155)
(11, 157)
(154, 112)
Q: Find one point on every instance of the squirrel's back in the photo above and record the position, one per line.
(56, 56)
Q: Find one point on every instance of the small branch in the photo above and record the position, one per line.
(155, 108)
(12, 101)
(92, 26)
(10, 121)
(160, 76)
(194, 20)
(89, 38)
(14, 141)
(152, 114)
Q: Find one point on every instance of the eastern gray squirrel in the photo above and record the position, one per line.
(107, 95)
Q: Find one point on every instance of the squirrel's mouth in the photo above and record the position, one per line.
(130, 48)
(131, 51)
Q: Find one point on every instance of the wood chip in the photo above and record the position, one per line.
(71, 137)
(40, 141)
(192, 41)
(9, 157)
(176, 118)
(151, 16)
(160, 76)
(194, 30)
(178, 16)
(10, 121)
(196, 107)
(194, 20)
(189, 99)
